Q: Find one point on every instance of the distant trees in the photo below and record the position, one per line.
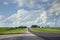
(11, 28)
(32, 26)
(22, 27)
(35, 26)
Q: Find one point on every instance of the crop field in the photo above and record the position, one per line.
(47, 30)
(12, 31)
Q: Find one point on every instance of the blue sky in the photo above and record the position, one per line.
(29, 12)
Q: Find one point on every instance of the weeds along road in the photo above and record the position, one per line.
(27, 36)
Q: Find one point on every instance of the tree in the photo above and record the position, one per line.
(22, 27)
(35, 26)
(25, 26)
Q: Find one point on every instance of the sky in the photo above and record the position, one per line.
(14, 13)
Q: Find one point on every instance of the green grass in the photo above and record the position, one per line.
(46, 30)
(12, 31)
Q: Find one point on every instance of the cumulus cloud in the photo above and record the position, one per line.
(24, 17)
(43, 17)
(36, 4)
(55, 7)
(46, 14)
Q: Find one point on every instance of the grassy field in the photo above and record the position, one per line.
(12, 31)
(46, 30)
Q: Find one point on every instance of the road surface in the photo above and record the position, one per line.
(27, 36)
(47, 36)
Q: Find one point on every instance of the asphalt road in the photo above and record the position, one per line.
(47, 36)
(27, 36)
(31, 36)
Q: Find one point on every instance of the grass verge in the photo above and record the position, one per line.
(12, 31)
(46, 30)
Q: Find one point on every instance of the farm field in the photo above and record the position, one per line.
(12, 31)
(47, 30)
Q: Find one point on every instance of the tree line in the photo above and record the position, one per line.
(32, 26)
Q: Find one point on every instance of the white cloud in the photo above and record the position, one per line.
(29, 17)
(1, 17)
(55, 7)
(22, 17)
(37, 20)
(54, 12)
(5, 3)
(30, 3)
(50, 23)
(43, 17)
